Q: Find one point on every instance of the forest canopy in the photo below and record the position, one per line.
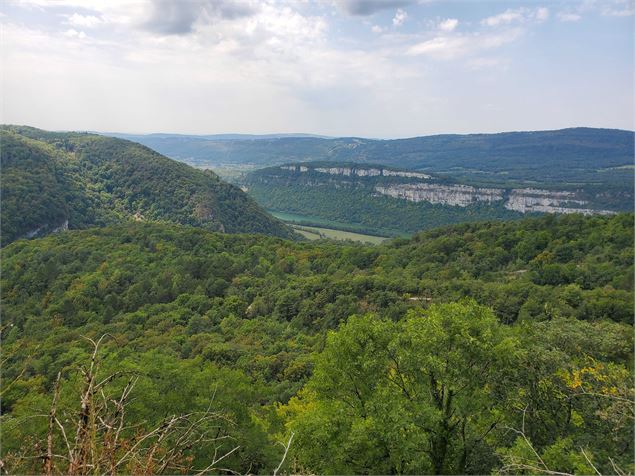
(74, 180)
(477, 348)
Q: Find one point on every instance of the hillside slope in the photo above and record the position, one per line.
(73, 180)
(240, 319)
(385, 200)
(581, 155)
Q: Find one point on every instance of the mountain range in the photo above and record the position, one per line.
(574, 155)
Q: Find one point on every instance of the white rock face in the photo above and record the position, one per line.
(346, 171)
(359, 172)
(61, 227)
(395, 173)
(32, 233)
(527, 200)
(367, 172)
(523, 200)
(454, 195)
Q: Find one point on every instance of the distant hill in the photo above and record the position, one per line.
(388, 201)
(575, 155)
(208, 137)
(74, 180)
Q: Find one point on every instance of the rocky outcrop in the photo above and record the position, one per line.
(454, 195)
(45, 229)
(424, 188)
(397, 173)
(523, 200)
(356, 171)
(528, 200)
(62, 227)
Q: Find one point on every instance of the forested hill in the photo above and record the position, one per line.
(73, 180)
(581, 155)
(489, 348)
(388, 201)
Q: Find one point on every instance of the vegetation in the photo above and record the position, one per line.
(576, 155)
(316, 222)
(317, 233)
(49, 179)
(351, 202)
(365, 210)
(479, 348)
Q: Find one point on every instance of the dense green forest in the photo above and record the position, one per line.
(478, 348)
(365, 210)
(58, 180)
(575, 155)
(351, 199)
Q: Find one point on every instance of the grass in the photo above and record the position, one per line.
(308, 221)
(317, 233)
(326, 232)
(293, 218)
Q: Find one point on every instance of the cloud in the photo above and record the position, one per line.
(448, 47)
(448, 25)
(400, 17)
(176, 17)
(376, 29)
(368, 7)
(519, 15)
(441, 47)
(83, 21)
(504, 18)
(619, 8)
(611, 8)
(72, 33)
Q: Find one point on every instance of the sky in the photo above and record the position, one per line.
(391, 68)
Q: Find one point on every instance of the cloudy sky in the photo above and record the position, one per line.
(391, 68)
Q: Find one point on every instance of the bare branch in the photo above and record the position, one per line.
(284, 456)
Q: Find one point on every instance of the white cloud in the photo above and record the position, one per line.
(504, 18)
(519, 15)
(72, 33)
(448, 47)
(83, 21)
(376, 29)
(611, 8)
(619, 9)
(400, 17)
(440, 47)
(448, 25)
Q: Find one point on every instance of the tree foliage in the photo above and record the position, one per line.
(49, 179)
(420, 380)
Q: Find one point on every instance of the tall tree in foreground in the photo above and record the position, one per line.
(414, 397)
(450, 390)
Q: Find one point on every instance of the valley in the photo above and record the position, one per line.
(305, 238)
(317, 233)
(386, 201)
(178, 294)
